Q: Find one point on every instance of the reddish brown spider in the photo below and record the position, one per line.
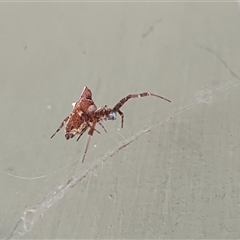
(86, 115)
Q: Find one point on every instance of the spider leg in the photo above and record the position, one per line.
(90, 133)
(85, 152)
(97, 131)
(122, 116)
(80, 135)
(102, 126)
(62, 124)
(85, 131)
(145, 94)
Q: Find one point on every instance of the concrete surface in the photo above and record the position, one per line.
(177, 177)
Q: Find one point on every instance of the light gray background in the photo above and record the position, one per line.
(179, 176)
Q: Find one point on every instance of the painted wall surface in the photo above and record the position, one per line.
(173, 171)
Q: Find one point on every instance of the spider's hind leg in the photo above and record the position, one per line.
(62, 124)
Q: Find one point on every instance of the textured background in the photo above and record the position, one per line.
(179, 177)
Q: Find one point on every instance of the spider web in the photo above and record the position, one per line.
(31, 216)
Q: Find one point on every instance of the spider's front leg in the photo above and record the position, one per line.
(80, 134)
(102, 126)
(122, 117)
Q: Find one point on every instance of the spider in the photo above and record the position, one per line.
(85, 115)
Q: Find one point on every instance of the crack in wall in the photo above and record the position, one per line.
(151, 28)
(223, 62)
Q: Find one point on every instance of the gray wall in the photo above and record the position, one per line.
(179, 174)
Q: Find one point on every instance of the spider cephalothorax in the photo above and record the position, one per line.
(86, 115)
